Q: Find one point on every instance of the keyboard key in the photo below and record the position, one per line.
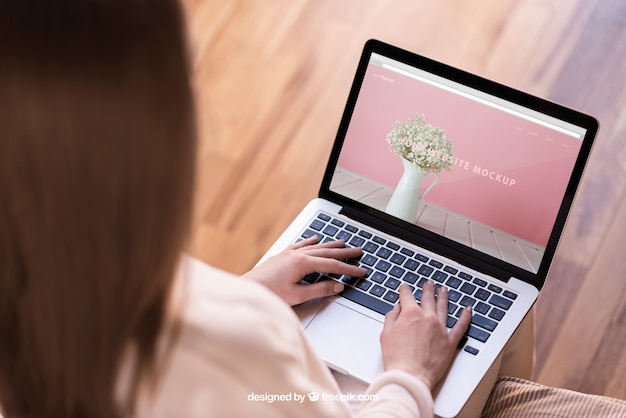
(467, 301)
(452, 308)
(309, 233)
(364, 285)
(425, 270)
(453, 282)
(510, 295)
(350, 280)
(496, 314)
(392, 283)
(317, 225)
(391, 296)
(377, 290)
(483, 322)
(407, 252)
(435, 264)
(500, 302)
(468, 288)
(323, 217)
(344, 236)
(440, 276)
(450, 270)
(469, 349)
(477, 333)
(379, 240)
(368, 260)
(397, 259)
(366, 300)
(370, 247)
(357, 241)
(411, 264)
(482, 294)
(393, 246)
(383, 265)
(482, 308)
(418, 294)
(365, 234)
(378, 277)
(494, 288)
(330, 230)
(465, 276)
(422, 281)
(311, 278)
(351, 228)
(453, 295)
(451, 321)
(397, 271)
(338, 222)
(421, 257)
(383, 252)
(480, 282)
(410, 277)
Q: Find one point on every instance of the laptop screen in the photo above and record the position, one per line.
(482, 171)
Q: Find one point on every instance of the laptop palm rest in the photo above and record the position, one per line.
(356, 335)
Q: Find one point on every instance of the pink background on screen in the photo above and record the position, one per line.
(537, 158)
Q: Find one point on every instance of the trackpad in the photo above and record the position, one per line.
(348, 341)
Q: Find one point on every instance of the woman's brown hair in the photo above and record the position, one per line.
(96, 177)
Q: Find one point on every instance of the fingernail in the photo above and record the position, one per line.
(337, 287)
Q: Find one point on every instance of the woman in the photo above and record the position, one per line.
(100, 316)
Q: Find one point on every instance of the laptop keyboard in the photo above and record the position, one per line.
(389, 264)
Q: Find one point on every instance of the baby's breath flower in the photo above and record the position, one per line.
(422, 144)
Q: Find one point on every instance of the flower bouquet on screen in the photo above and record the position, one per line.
(424, 151)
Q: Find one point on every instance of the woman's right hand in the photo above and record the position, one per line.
(414, 337)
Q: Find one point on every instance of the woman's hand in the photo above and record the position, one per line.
(283, 272)
(414, 338)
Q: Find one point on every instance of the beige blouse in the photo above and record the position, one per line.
(242, 352)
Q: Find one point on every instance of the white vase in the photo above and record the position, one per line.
(406, 197)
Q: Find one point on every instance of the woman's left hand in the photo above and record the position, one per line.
(283, 272)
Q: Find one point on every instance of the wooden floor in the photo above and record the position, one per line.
(272, 78)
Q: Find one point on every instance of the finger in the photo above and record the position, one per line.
(305, 242)
(332, 266)
(428, 296)
(332, 244)
(407, 300)
(442, 304)
(462, 325)
(337, 253)
(391, 317)
(319, 290)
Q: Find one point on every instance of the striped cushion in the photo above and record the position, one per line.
(512, 397)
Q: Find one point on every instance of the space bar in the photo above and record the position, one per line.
(366, 300)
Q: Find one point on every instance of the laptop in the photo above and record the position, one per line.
(439, 175)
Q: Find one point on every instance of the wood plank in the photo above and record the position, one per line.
(587, 344)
